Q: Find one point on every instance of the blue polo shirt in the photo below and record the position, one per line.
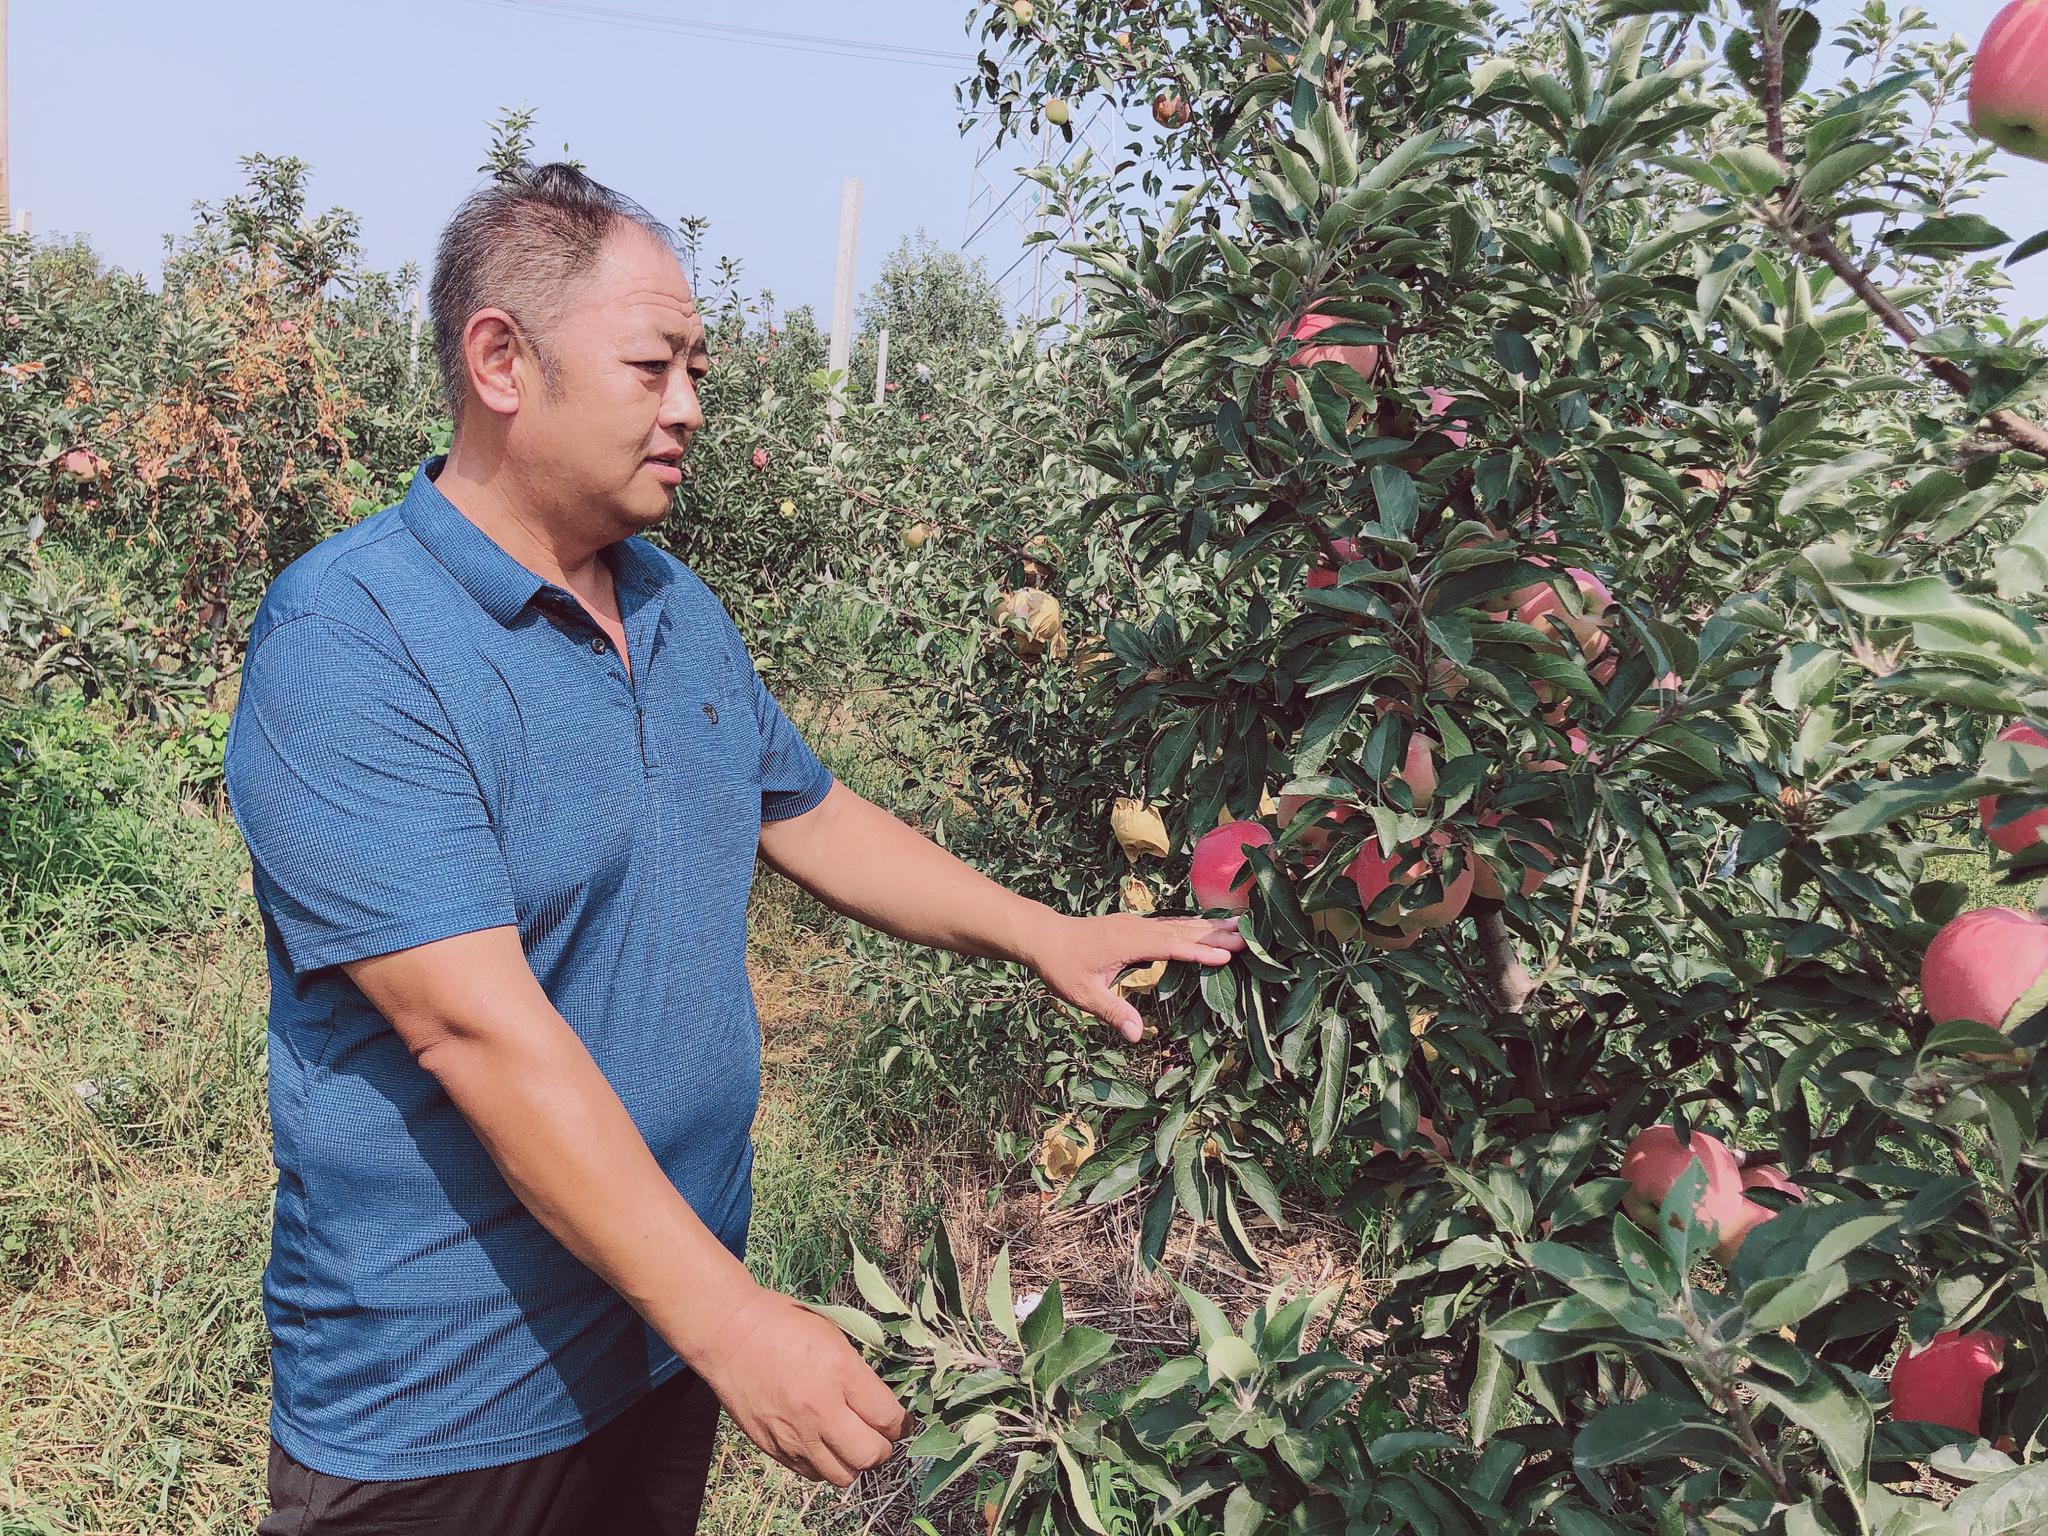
(432, 740)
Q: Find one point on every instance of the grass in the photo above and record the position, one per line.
(135, 1180)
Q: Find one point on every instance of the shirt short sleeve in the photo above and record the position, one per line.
(365, 823)
(792, 779)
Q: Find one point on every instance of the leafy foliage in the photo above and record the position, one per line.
(1638, 287)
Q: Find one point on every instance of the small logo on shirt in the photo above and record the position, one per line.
(711, 713)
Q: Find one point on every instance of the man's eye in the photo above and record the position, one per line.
(658, 364)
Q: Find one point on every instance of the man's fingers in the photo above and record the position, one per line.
(826, 1466)
(1118, 1015)
(856, 1445)
(1200, 954)
(869, 1396)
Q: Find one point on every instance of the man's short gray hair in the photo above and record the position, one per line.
(521, 244)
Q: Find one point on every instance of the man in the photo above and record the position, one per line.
(503, 769)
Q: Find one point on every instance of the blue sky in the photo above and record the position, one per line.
(126, 111)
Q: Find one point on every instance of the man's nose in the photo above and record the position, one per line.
(681, 408)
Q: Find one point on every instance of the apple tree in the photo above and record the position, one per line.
(1566, 507)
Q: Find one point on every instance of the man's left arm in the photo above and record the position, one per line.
(865, 864)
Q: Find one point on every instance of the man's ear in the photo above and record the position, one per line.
(500, 363)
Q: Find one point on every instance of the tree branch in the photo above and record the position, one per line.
(1810, 235)
(1506, 976)
(2010, 425)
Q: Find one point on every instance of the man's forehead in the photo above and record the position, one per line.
(640, 282)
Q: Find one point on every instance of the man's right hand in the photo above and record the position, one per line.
(799, 1391)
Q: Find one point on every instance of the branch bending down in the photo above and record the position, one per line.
(1809, 235)
(1816, 241)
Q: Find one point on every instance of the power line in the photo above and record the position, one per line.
(752, 37)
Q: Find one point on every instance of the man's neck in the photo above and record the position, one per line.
(513, 514)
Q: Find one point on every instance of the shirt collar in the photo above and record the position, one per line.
(501, 586)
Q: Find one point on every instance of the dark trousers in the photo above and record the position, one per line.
(642, 1474)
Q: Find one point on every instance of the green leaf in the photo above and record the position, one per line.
(1842, 166)
(1754, 167)
(1229, 1358)
(875, 1289)
(1001, 1307)
(1655, 1425)
(1805, 674)
(1516, 355)
(1828, 479)
(1078, 1494)
(1046, 1323)
(1492, 1397)
(856, 1325)
(1326, 1111)
(1242, 1512)
(1079, 1350)
(2014, 1503)
(1642, 1258)
(1785, 1301)
(1830, 1408)
(1954, 232)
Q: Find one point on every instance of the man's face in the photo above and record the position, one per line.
(629, 353)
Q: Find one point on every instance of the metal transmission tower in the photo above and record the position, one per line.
(1003, 208)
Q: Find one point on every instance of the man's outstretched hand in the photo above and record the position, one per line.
(1081, 957)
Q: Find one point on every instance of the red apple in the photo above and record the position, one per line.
(1578, 741)
(1361, 360)
(1989, 966)
(1418, 766)
(1372, 872)
(83, 464)
(1317, 838)
(1439, 402)
(2009, 83)
(1486, 882)
(1169, 111)
(1944, 1383)
(1340, 552)
(1219, 875)
(1752, 1214)
(1426, 1129)
(1541, 605)
(760, 458)
(2024, 831)
(1654, 1162)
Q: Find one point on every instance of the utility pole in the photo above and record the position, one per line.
(412, 370)
(6, 206)
(882, 366)
(840, 357)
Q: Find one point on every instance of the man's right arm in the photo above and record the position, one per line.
(474, 1017)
